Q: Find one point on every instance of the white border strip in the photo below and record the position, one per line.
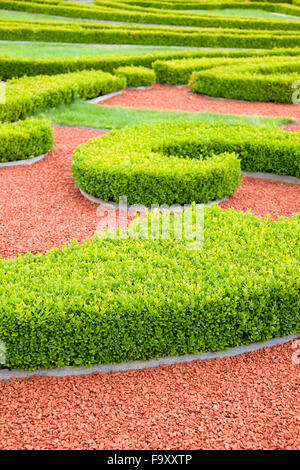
(272, 176)
(6, 374)
(137, 207)
(27, 161)
(98, 99)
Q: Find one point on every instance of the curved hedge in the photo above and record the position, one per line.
(28, 94)
(178, 72)
(263, 82)
(136, 76)
(14, 67)
(149, 165)
(127, 299)
(87, 33)
(158, 17)
(159, 163)
(25, 139)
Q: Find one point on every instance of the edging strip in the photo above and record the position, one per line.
(272, 176)
(110, 205)
(6, 374)
(27, 161)
(103, 97)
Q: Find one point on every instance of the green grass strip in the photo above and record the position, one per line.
(80, 113)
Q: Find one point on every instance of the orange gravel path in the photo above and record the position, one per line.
(245, 402)
(171, 98)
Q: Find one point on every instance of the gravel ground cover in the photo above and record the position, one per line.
(172, 98)
(245, 402)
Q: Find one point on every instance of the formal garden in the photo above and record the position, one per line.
(189, 111)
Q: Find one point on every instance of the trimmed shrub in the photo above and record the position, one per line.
(180, 162)
(151, 17)
(163, 36)
(28, 94)
(178, 72)
(25, 139)
(126, 299)
(136, 76)
(265, 81)
(14, 67)
(150, 165)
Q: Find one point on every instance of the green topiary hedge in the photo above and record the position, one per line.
(277, 6)
(136, 76)
(263, 82)
(151, 17)
(127, 299)
(28, 94)
(162, 36)
(14, 67)
(178, 72)
(25, 139)
(149, 165)
(177, 162)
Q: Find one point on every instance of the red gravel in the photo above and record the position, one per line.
(171, 98)
(41, 208)
(292, 127)
(245, 402)
(264, 197)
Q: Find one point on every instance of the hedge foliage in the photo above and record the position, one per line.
(127, 299)
(12, 67)
(178, 72)
(150, 165)
(28, 94)
(177, 162)
(25, 139)
(136, 76)
(69, 9)
(90, 33)
(268, 81)
(276, 6)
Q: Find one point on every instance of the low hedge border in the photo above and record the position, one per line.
(235, 38)
(136, 76)
(260, 82)
(28, 94)
(24, 139)
(153, 17)
(178, 72)
(15, 67)
(276, 6)
(125, 299)
(149, 165)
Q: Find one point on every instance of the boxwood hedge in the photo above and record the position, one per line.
(264, 82)
(136, 76)
(150, 165)
(13, 67)
(27, 94)
(146, 35)
(69, 9)
(181, 162)
(25, 139)
(121, 299)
